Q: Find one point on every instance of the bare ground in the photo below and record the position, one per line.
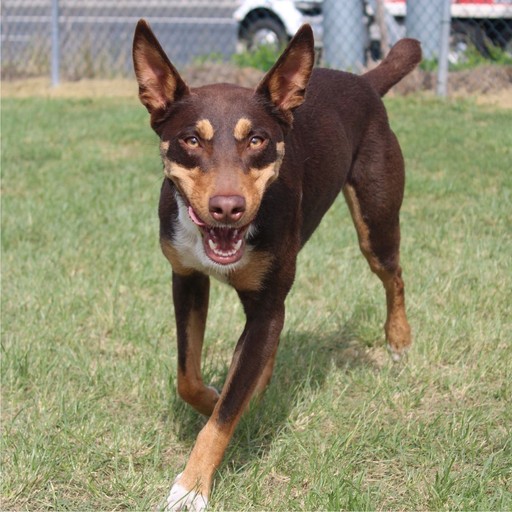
(487, 84)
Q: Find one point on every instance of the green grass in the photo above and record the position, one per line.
(263, 57)
(472, 58)
(90, 417)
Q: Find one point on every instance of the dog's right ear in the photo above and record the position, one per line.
(159, 82)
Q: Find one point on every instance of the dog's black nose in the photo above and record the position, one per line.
(227, 208)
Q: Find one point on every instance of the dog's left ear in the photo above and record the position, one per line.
(285, 84)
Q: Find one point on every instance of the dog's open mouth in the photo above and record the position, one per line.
(223, 245)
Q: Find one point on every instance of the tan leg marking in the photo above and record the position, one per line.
(398, 331)
(210, 445)
(265, 377)
(214, 438)
(190, 383)
(206, 456)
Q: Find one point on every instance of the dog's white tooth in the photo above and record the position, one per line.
(212, 244)
(237, 246)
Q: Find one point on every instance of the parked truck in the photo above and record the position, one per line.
(482, 24)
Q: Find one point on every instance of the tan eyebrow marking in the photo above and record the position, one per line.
(205, 129)
(242, 129)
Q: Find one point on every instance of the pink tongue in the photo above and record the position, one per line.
(195, 219)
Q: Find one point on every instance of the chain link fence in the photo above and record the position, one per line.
(75, 39)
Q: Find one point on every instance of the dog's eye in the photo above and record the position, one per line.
(192, 142)
(256, 142)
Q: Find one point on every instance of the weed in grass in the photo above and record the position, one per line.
(263, 57)
(90, 415)
(472, 58)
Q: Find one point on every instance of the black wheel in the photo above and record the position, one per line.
(263, 30)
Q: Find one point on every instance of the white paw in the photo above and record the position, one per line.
(397, 356)
(181, 498)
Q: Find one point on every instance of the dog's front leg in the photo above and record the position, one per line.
(190, 294)
(254, 352)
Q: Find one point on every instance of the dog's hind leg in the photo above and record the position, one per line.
(374, 199)
(190, 295)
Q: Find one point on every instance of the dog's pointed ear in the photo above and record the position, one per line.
(159, 82)
(285, 84)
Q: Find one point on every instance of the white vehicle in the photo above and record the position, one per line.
(480, 23)
(273, 22)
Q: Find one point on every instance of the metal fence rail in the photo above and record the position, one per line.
(94, 36)
(74, 39)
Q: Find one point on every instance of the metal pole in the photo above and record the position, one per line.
(444, 48)
(380, 17)
(344, 35)
(423, 22)
(55, 44)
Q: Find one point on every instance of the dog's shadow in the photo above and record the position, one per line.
(304, 361)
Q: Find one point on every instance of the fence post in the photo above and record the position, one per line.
(423, 22)
(444, 48)
(55, 71)
(344, 35)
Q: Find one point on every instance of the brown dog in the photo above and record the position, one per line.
(249, 174)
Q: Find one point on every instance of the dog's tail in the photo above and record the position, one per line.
(399, 62)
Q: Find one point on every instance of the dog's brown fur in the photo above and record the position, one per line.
(248, 178)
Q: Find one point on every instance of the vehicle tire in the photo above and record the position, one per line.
(264, 31)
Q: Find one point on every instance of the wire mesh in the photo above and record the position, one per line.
(94, 36)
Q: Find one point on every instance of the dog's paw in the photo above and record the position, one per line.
(397, 355)
(181, 498)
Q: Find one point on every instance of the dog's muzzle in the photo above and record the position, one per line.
(222, 244)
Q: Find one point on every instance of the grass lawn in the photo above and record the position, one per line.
(90, 416)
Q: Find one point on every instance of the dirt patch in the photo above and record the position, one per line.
(41, 87)
(487, 84)
(227, 73)
(502, 99)
(481, 80)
